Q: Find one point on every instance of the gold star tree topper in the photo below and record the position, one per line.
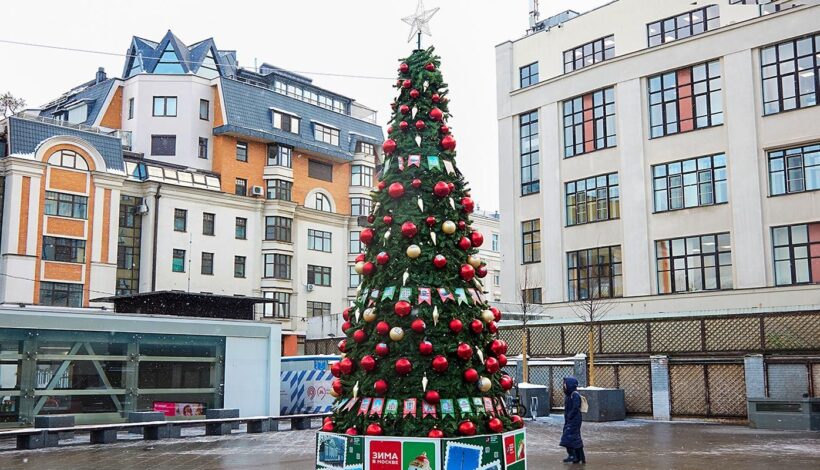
(419, 22)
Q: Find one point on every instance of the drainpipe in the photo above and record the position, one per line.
(154, 241)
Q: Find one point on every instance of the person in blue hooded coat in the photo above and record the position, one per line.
(571, 437)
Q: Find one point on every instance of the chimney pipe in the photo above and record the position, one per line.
(101, 76)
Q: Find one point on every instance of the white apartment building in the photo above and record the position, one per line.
(667, 155)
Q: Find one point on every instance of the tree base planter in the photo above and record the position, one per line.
(605, 404)
(485, 452)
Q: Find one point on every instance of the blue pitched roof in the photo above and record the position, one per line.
(248, 112)
(190, 57)
(93, 95)
(26, 135)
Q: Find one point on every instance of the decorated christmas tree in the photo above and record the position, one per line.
(421, 355)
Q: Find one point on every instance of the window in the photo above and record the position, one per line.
(354, 245)
(178, 261)
(278, 228)
(353, 278)
(319, 240)
(528, 126)
(241, 187)
(208, 223)
(690, 183)
(589, 53)
(277, 266)
(279, 156)
(66, 205)
(360, 206)
(317, 309)
(130, 108)
(528, 75)
(365, 148)
(129, 234)
(496, 243)
(280, 307)
(169, 61)
(531, 241)
(321, 202)
(180, 220)
(684, 25)
(592, 199)
(68, 159)
(694, 263)
(794, 170)
(361, 175)
(286, 122)
(60, 294)
(164, 145)
(318, 275)
(165, 106)
(208, 68)
(589, 122)
(280, 189)
(594, 273)
(242, 151)
(239, 266)
(207, 263)
(496, 278)
(320, 171)
(241, 230)
(309, 96)
(796, 254)
(685, 99)
(326, 134)
(789, 71)
(532, 296)
(203, 148)
(204, 110)
(68, 250)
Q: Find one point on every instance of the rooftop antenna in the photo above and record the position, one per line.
(534, 14)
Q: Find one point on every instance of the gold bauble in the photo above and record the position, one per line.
(448, 227)
(333, 393)
(474, 261)
(486, 315)
(396, 333)
(484, 384)
(370, 314)
(413, 251)
(359, 267)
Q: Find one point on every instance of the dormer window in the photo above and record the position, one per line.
(326, 134)
(208, 69)
(169, 62)
(286, 122)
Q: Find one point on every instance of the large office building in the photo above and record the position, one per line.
(667, 155)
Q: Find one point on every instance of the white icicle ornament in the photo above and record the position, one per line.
(424, 383)
(420, 203)
(404, 277)
(452, 204)
(435, 315)
(433, 237)
(356, 390)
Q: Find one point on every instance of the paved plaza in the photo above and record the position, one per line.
(632, 444)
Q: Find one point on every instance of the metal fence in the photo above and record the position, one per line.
(707, 390)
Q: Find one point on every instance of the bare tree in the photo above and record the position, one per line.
(591, 306)
(10, 105)
(530, 307)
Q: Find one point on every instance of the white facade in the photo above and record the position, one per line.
(746, 136)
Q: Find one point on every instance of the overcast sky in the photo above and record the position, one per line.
(357, 37)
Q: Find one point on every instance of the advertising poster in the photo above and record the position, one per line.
(402, 454)
(482, 451)
(179, 409)
(515, 450)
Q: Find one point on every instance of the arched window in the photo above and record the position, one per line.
(68, 159)
(322, 203)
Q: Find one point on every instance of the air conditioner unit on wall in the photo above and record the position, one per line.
(309, 287)
(258, 191)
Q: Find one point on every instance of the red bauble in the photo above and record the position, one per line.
(448, 142)
(368, 363)
(389, 146)
(451, 186)
(382, 328)
(462, 225)
(327, 427)
(359, 336)
(435, 98)
(456, 326)
(466, 428)
(496, 346)
(435, 433)
(502, 360)
(380, 387)
(414, 93)
(504, 347)
(346, 313)
(408, 229)
(517, 420)
(431, 67)
(418, 326)
(477, 239)
(388, 219)
(403, 366)
(440, 261)
(368, 268)
(496, 313)
(382, 350)
(334, 369)
(396, 190)
(337, 386)
(444, 129)
(403, 125)
(506, 382)
(360, 256)
(346, 366)
(402, 308)
(342, 345)
(464, 351)
(382, 257)
(477, 326)
(380, 187)
(465, 244)
(440, 364)
(425, 348)
(432, 397)
(416, 183)
(420, 124)
(466, 272)
(366, 236)
(492, 327)
(441, 189)
(436, 114)
(351, 431)
(406, 84)
(404, 109)
(390, 128)
(346, 326)
(430, 220)
(374, 430)
(404, 68)
(495, 425)
(481, 271)
(491, 364)
(467, 204)
(471, 375)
